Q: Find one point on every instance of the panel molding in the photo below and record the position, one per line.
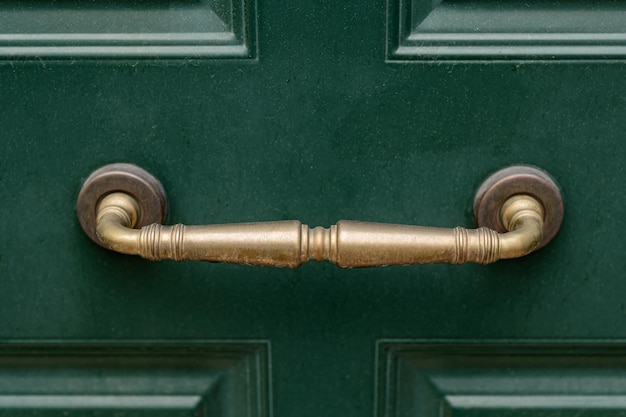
(504, 30)
(190, 403)
(128, 29)
(535, 401)
(188, 378)
(517, 378)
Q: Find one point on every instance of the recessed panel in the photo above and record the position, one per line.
(122, 29)
(500, 380)
(139, 380)
(435, 30)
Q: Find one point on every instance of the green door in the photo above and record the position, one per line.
(318, 111)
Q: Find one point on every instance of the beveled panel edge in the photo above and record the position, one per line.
(240, 43)
(598, 402)
(389, 346)
(402, 45)
(258, 349)
(148, 343)
(101, 402)
(475, 52)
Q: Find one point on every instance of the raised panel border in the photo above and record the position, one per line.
(216, 378)
(228, 30)
(443, 40)
(448, 378)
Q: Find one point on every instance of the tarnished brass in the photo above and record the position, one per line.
(127, 178)
(507, 182)
(288, 244)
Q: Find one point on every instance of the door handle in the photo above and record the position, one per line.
(519, 209)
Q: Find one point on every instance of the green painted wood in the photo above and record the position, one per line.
(514, 378)
(506, 29)
(82, 29)
(319, 127)
(152, 378)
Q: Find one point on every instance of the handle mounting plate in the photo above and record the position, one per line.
(126, 178)
(514, 180)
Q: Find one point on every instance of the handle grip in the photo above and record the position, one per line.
(523, 203)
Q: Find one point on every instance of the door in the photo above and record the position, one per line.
(318, 111)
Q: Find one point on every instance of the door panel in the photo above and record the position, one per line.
(178, 29)
(319, 127)
(418, 378)
(505, 30)
(147, 379)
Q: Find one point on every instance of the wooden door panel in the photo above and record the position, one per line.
(480, 379)
(420, 30)
(128, 29)
(134, 379)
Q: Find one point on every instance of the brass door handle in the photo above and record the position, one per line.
(519, 209)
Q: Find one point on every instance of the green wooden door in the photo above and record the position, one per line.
(323, 110)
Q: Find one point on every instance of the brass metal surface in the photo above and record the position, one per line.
(514, 180)
(127, 178)
(120, 219)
